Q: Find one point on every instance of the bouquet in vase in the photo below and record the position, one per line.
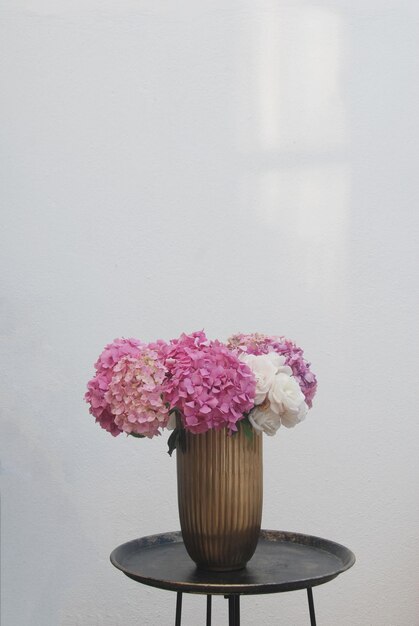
(193, 384)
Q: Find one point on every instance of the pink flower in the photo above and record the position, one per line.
(257, 343)
(135, 394)
(98, 385)
(210, 386)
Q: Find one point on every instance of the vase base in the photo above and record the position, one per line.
(231, 568)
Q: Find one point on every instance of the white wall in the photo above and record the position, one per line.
(238, 166)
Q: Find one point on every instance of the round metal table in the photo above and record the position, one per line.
(283, 561)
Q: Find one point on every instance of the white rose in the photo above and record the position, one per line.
(265, 420)
(287, 400)
(292, 417)
(278, 362)
(265, 367)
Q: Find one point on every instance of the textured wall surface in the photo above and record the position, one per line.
(238, 166)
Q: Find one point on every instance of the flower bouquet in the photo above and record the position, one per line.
(252, 380)
(217, 398)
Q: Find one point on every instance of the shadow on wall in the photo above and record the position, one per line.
(293, 135)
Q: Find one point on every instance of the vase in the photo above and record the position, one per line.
(220, 494)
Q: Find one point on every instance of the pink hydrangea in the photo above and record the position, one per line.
(135, 394)
(257, 343)
(208, 383)
(98, 385)
(160, 347)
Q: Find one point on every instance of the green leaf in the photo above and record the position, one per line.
(173, 441)
(247, 428)
(137, 435)
(182, 439)
(177, 439)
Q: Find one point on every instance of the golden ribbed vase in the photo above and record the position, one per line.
(220, 485)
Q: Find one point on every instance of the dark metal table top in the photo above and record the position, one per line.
(283, 561)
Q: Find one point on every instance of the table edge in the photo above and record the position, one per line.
(239, 589)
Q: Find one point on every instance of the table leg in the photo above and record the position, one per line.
(237, 611)
(178, 608)
(209, 599)
(234, 610)
(311, 606)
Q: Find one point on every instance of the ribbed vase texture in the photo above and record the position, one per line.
(220, 498)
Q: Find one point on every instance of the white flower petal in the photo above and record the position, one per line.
(265, 420)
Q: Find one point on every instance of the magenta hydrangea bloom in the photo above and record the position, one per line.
(99, 384)
(208, 383)
(135, 394)
(257, 343)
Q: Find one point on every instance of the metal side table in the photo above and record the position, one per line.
(283, 561)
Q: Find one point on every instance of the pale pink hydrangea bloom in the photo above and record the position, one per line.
(98, 385)
(257, 343)
(135, 394)
(209, 385)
